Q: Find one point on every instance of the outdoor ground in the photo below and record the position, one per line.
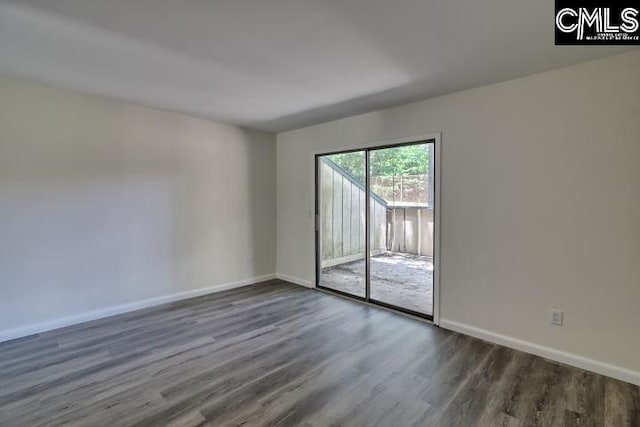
(403, 280)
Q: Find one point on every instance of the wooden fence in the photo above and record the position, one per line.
(406, 229)
(410, 230)
(342, 214)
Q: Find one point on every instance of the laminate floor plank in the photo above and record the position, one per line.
(277, 354)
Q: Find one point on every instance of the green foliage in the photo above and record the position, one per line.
(407, 160)
(353, 163)
(388, 162)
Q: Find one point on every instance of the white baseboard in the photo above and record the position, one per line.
(546, 352)
(295, 280)
(37, 328)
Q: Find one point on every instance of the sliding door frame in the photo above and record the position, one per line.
(422, 139)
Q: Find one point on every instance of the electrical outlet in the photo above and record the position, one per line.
(250, 261)
(557, 317)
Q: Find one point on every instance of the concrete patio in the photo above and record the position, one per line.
(403, 280)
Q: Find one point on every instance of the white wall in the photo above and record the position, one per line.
(104, 203)
(540, 205)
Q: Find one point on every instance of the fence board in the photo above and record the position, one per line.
(362, 233)
(347, 187)
(326, 211)
(356, 233)
(337, 214)
(410, 230)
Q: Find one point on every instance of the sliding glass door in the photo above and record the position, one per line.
(401, 256)
(375, 225)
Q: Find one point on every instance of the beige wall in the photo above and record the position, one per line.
(103, 203)
(540, 203)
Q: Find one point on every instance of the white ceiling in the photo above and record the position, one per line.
(279, 64)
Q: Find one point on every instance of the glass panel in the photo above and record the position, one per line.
(401, 226)
(341, 232)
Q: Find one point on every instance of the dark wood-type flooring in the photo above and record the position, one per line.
(279, 354)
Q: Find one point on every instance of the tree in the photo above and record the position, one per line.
(388, 162)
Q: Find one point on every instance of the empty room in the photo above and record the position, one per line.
(319, 213)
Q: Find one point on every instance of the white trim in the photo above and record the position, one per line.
(37, 328)
(295, 280)
(592, 365)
